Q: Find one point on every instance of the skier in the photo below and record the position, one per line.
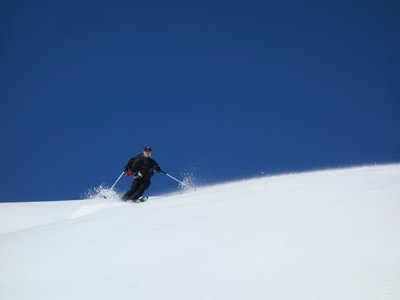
(142, 168)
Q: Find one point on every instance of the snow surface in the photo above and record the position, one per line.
(320, 235)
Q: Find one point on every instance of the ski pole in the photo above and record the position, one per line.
(117, 180)
(105, 197)
(172, 177)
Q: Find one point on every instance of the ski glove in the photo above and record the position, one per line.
(128, 173)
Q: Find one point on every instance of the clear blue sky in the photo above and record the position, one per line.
(227, 88)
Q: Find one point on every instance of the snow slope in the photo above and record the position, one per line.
(320, 235)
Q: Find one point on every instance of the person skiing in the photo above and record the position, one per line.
(142, 168)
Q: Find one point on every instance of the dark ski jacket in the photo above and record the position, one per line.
(144, 165)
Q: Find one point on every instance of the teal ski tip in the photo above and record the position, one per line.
(142, 199)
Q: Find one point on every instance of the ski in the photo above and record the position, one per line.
(142, 199)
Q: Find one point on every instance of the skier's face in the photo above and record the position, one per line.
(147, 153)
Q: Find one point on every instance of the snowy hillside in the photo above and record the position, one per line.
(318, 235)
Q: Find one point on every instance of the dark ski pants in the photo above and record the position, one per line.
(138, 187)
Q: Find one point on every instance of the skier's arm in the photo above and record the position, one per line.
(131, 166)
(157, 168)
(128, 166)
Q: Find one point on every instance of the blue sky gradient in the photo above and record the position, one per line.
(226, 89)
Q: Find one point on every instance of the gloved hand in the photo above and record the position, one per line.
(128, 173)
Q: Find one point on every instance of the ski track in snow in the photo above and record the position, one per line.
(95, 206)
